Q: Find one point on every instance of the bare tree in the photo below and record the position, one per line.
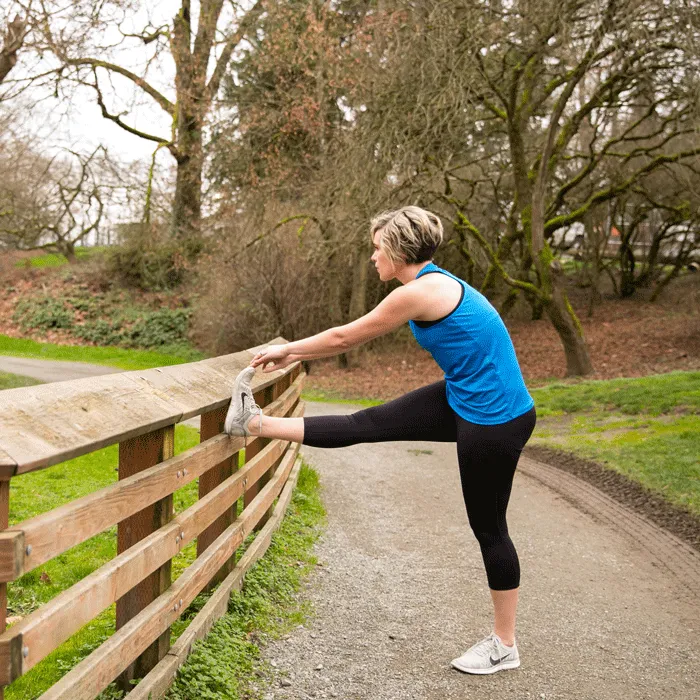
(56, 203)
(482, 107)
(82, 39)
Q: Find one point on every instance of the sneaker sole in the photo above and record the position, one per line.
(231, 414)
(486, 671)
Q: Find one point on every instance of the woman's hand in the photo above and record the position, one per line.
(272, 358)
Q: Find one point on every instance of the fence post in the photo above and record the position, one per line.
(135, 455)
(212, 423)
(4, 523)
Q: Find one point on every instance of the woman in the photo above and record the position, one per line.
(482, 404)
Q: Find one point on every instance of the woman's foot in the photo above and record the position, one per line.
(488, 656)
(243, 407)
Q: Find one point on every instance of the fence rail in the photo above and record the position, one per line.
(46, 425)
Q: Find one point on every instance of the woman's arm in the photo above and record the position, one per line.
(396, 309)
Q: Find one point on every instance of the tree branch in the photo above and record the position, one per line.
(94, 63)
(231, 43)
(14, 38)
(117, 120)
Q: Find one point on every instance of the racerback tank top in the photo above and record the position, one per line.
(472, 347)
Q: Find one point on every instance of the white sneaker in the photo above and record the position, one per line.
(488, 656)
(243, 406)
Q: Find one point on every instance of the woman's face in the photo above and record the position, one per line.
(385, 266)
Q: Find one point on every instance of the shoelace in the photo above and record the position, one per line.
(487, 647)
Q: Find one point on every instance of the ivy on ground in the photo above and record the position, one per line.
(106, 319)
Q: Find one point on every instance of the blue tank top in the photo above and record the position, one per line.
(472, 347)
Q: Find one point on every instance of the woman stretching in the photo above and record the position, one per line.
(482, 404)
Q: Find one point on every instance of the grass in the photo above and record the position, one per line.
(56, 259)
(121, 358)
(332, 397)
(675, 392)
(14, 381)
(646, 428)
(663, 455)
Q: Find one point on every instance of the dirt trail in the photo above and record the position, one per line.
(610, 603)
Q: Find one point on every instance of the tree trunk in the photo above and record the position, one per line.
(358, 297)
(67, 250)
(187, 206)
(592, 248)
(567, 325)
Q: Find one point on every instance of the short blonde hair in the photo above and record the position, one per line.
(408, 235)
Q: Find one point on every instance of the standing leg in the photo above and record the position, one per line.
(488, 456)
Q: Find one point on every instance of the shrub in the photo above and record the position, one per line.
(43, 313)
(108, 320)
(272, 289)
(100, 331)
(160, 328)
(149, 259)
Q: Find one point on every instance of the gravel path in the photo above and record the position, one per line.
(401, 589)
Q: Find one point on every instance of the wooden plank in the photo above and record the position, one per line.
(52, 533)
(135, 455)
(8, 465)
(46, 628)
(157, 682)
(97, 670)
(12, 550)
(47, 424)
(212, 424)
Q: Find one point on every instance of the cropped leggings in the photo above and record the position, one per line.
(487, 455)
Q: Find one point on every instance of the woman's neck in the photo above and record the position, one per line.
(409, 272)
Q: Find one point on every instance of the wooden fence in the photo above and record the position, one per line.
(45, 425)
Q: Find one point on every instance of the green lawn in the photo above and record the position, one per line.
(121, 358)
(646, 428)
(675, 392)
(57, 260)
(14, 381)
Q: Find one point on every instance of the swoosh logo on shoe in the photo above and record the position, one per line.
(243, 397)
(495, 662)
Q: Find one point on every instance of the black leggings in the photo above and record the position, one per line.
(487, 454)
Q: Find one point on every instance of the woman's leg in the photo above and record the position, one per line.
(280, 428)
(488, 456)
(423, 414)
